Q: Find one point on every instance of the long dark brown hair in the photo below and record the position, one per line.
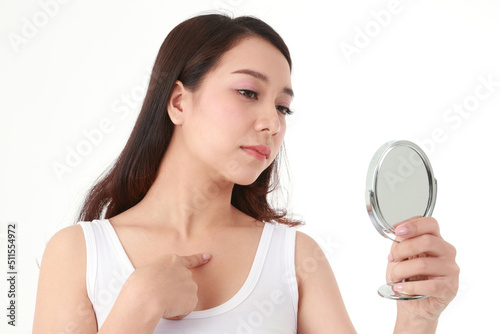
(189, 51)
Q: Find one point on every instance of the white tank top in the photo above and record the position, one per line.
(265, 304)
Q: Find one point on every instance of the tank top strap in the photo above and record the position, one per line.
(90, 244)
(279, 270)
(108, 266)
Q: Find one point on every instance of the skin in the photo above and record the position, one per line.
(422, 253)
(165, 234)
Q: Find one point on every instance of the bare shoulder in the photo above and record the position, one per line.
(69, 233)
(62, 298)
(68, 242)
(305, 242)
(321, 308)
(309, 257)
(65, 253)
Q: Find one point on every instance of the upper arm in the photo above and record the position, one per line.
(62, 304)
(321, 308)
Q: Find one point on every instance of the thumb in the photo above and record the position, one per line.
(196, 260)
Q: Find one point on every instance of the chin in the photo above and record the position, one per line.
(247, 177)
(246, 181)
(242, 174)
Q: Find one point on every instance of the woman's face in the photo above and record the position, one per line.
(235, 122)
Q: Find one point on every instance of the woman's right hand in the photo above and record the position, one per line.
(168, 283)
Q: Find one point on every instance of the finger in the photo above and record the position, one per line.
(406, 220)
(178, 317)
(415, 227)
(196, 260)
(422, 266)
(427, 244)
(444, 289)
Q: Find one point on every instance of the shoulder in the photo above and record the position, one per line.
(321, 308)
(306, 246)
(305, 241)
(309, 257)
(62, 298)
(70, 238)
(64, 264)
(66, 250)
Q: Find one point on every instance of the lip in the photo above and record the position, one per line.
(261, 152)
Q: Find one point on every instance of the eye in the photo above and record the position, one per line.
(248, 93)
(284, 110)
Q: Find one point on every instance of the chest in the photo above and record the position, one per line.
(218, 280)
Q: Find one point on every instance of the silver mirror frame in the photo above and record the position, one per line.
(372, 203)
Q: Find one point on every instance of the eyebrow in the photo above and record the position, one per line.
(262, 77)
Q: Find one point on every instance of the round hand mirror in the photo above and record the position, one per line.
(400, 184)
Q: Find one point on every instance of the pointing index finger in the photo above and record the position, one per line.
(196, 260)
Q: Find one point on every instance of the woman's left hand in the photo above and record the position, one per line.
(427, 262)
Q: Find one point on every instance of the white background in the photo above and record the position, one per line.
(80, 60)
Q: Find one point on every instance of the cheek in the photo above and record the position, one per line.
(218, 123)
(278, 140)
(220, 109)
(283, 126)
(281, 135)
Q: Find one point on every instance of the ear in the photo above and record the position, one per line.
(174, 107)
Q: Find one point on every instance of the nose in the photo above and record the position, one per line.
(269, 120)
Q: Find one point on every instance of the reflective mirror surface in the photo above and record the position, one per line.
(400, 184)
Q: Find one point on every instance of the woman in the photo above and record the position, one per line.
(188, 232)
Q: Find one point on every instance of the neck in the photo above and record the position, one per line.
(185, 197)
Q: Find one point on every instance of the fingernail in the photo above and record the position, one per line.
(401, 231)
(390, 258)
(398, 287)
(206, 256)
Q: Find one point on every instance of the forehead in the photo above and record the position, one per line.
(257, 54)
